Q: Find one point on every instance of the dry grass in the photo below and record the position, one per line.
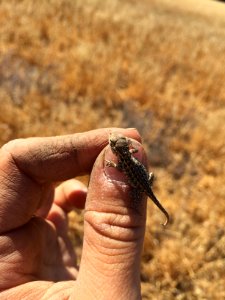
(148, 64)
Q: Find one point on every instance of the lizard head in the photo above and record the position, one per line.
(119, 143)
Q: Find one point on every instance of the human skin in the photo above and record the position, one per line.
(36, 256)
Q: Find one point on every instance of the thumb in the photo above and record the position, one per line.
(114, 226)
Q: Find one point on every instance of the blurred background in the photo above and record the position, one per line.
(158, 65)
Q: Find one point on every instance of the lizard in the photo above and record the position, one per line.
(138, 177)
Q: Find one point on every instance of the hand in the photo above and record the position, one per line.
(36, 257)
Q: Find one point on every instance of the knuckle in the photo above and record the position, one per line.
(121, 228)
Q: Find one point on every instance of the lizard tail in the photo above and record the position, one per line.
(158, 204)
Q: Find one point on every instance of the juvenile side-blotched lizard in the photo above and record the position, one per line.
(136, 173)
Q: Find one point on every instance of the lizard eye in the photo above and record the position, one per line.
(112, 143)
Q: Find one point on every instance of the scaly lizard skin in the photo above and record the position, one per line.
(136, 173)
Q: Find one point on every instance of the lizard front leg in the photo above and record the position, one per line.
(110, 163)
(133, 150)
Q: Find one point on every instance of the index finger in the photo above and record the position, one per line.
(50, 159)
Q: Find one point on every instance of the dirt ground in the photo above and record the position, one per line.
(70, 65)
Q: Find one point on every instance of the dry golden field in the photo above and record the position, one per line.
(158, 65)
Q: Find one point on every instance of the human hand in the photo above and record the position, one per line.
(36, 257)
